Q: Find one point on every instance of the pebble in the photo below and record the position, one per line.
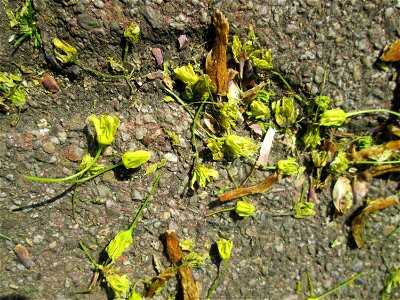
(48, 147)
(99, 4)
(74, 153)
(37, 239)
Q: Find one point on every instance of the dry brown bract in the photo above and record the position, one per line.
(357, 225)
(216, 67)
(254, 189)
(392, 52)
(175, 255)
(375, 151)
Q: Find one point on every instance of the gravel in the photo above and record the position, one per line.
(271, 254)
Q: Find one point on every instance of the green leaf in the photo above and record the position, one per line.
(304, 210)
(244, 208)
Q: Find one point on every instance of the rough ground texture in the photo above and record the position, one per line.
(270, 254)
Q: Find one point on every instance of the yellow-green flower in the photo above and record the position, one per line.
(118, 244)
(244, 208)
(87, 160)
(135, 159)
(339, 164)
(304, 209)
(64, 52)
(201, 175)
(312, 138)
(119, 284)
(131, 33)
(240, 146)
(105, 126)
(194, 259)
(287, 166)
(186, 74)
(224, 248)
(333, 117)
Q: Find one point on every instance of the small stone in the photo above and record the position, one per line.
(74, 153)
(99, 4)
(50, 83)
(37, 239)
(48, 147)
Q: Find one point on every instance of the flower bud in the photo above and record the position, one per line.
(186, 74)
(135, 159)
(287, 166)
(224, 248)
(244, 208)
(333, 117)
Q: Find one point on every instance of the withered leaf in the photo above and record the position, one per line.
(391, 53)
(216, 67)
(159, 282)
(254, 189)
(342, 195)
(174, 252)
(357, 225)
(189, 286)
(379, 170)
(376, 151)
(251, 94)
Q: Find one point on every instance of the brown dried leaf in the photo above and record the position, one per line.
(395, 130)
(190, 289)
(159, 282)
(254, 189)
(357, 225)
(375, 151)
(342, 195)
(391, 53)
(23, 256)
(379, 170)
(251, 94)
(216, 67)
(211, 123)
(174, 252)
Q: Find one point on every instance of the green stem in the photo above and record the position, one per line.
(355, 113)
(97, 174)
(216, 282)
(89, 256)
(5, 237)
(311, 284)
(95, 72)
(193, 129)
(282, 78)
(69, 178)
(145, 203)
(220, 211)
(180, 101)
(338, 287)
